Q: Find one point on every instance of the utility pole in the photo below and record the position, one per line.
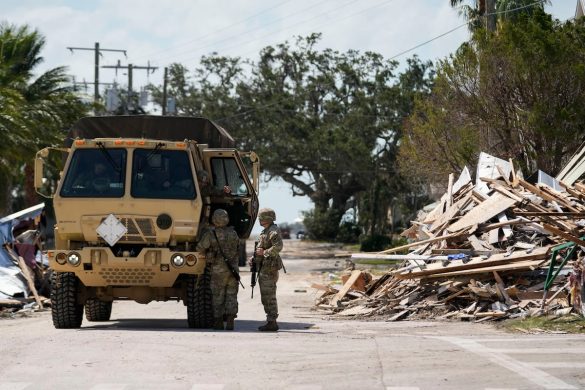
(130, 68)
(490, 11)
(97, 53)
(164, 98)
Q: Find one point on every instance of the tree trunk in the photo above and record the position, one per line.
(30, 195)
(5, 196)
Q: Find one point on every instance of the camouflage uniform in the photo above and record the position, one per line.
(271, 241)
(224, 286)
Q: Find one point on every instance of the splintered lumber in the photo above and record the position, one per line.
(560, 233)
(430, 240)
(27, 275)
(483, 212)
(521, 265)
(477, 262)
(375, 256)
(346, 287)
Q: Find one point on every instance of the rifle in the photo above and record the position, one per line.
(234, 273)
(254, 269)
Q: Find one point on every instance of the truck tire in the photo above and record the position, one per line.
(96, 310)
(66, 312)
(199, 301)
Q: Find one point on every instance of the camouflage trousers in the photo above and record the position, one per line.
(224, 289)
(267, 280)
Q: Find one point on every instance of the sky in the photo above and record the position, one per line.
(160, 32)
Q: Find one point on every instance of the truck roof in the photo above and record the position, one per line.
(171, 128)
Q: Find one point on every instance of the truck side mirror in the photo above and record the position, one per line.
(39, 167)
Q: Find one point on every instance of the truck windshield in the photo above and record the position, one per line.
(92, 173)
(226, 172)
(162, 174)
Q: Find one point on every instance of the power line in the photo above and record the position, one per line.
(465, 24)
(98, 52)
(384, 3)
(239, 35)
(216, 31)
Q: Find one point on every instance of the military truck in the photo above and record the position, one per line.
(129, 210)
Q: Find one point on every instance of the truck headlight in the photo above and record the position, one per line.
(191, 260)
(178, 260)
(61, 258)
(74, 258)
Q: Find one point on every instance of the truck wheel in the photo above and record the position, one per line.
(199, 301)
(67, 313)
(96, 310)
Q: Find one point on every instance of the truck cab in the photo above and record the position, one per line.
(130, 206)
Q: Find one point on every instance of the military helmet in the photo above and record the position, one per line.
(266, 214)
(220, 218)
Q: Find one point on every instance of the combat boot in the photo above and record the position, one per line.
(229, 322)
(271, 326)
(218, 324)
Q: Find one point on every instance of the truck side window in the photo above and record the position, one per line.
(225, 172)
(95, 173)
(162, 174)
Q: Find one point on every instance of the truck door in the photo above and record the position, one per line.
(227, 169)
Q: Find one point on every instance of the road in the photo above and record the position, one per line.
(150, 347)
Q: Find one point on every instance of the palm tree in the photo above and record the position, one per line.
(505, 9)
(33, 111)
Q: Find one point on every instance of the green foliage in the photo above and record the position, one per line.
(516, 94)
(349, 233)
(328, 123)
(378, 242)
(375, 243)
(34, 112)
(322, 225)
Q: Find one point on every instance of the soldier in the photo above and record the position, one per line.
(207, 189)
(268, 262)
(218, 243)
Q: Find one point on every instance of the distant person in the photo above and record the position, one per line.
(268, 263)
(207, 189)
(221, 242)
(98, 178)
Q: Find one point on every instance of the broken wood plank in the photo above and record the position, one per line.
(565, 235)
(483, 212)
(502, 288)
(354, 276)
(29, 280)
(539, 254)
(440, 238)
(521, 265)
(398, 316)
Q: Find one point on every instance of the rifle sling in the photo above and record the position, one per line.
(225, 259)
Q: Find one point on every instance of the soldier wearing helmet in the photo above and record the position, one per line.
(218, 242)
(269, 263)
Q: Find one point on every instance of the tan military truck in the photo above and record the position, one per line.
(129, 209)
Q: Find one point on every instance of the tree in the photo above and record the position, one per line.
(515, 94)
(478, 15)
(328, 123)
(33, 111)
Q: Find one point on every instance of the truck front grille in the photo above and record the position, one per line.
(126, 276)
(139, 230)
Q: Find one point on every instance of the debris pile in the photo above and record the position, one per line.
(500, 248)
(24, 273)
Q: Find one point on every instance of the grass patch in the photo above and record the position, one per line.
(377, 262)
(352, 247)
(565, 324)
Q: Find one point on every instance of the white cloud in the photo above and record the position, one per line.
(164, 31)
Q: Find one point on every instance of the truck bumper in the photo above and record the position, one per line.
(152, 267)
